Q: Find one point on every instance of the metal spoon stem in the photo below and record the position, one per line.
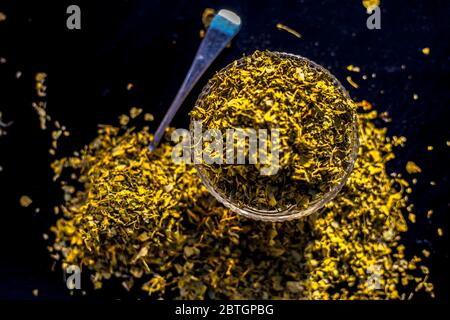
(223, 28)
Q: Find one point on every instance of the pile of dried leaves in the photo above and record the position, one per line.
(142, 219)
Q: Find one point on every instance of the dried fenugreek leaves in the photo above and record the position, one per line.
(312, 113)
(141, 218)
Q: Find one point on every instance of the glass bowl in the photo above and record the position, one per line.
(291, 212)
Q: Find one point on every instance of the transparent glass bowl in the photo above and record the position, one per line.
(291, 212)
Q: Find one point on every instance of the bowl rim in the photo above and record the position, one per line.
(291, 212)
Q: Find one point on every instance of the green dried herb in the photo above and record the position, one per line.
(313, 114)
(295, 33)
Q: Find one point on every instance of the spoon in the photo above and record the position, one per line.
(224, 26)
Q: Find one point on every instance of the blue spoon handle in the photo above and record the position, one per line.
(220, 32)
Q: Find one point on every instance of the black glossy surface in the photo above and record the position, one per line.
(151, 43)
